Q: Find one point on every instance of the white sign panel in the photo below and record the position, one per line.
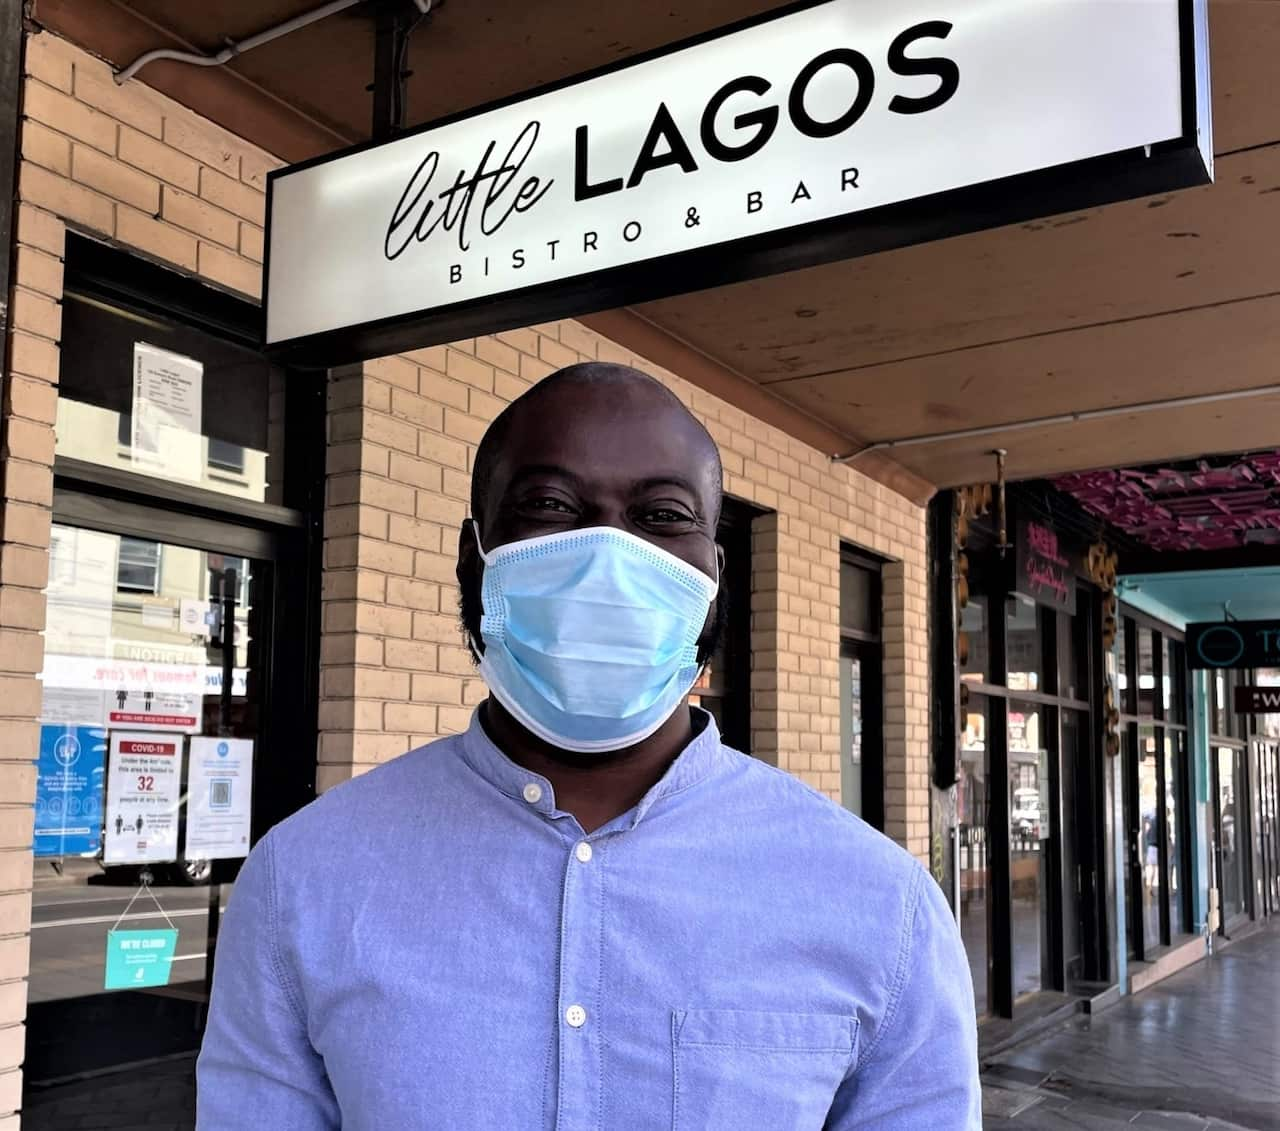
(143, 778)
(837, 109)
(155, 710)
(219, 798)
(167, 409)
(83, 573)
(72, 706)
(194, 616)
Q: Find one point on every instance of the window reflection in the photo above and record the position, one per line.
(153, 397)
(1125, 698)
(1028, 833)
(1146, 673)
(1174, 760)
(974, 667)
(971, 816)
(1025, 645)
(1230, 829)
(1148, 802)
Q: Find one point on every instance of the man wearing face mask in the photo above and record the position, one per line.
(586, 913)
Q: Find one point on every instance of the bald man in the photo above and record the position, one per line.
(586, 913)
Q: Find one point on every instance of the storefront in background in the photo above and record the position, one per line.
(1154, 702)
(227, 584)
(1025, 853)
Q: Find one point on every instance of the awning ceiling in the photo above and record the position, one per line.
(1205, 504)
(1177, 295)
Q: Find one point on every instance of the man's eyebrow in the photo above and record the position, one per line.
(667, 481)
(543, 471)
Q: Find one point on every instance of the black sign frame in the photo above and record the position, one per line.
(1255, 700)
(1184, 162)
(1236, 644)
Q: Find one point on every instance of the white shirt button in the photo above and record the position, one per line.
(583, 851)
(576, 1016)
(533, 793)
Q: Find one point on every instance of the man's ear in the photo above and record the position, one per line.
(468, 553)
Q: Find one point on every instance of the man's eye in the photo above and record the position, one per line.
(663, 515)
(549, 503)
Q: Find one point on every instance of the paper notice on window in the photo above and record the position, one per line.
(143, 778)
(167, 403)
(83, 576)
(155, 710)
(219, 798)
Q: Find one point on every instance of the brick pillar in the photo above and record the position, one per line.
(766, 663)
(906, 708)
(27, 412)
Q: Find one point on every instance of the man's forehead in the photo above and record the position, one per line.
(616, 432)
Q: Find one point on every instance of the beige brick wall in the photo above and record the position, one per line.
(395, 672)
(135, 167)
(124, 164)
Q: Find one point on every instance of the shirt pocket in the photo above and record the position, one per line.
(737, 1069)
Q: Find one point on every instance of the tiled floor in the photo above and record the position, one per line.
(1199, 1050)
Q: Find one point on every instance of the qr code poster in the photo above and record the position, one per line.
(219, 798)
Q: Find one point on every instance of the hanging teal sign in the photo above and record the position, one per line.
(139, 960)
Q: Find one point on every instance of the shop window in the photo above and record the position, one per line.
(1175, 755)
(224, 456)
(1029, 832)
(974, 655)
(861, 743)
(1074, 642)
(1175, 673)
(1230, 830)
(1124, 682)
(1156, 789)
(1025, 644)
(1146, 673)
(138, 566)
(148, 392)
(973, 861)
(1269, 724)
(1149, 808)
(127, 656)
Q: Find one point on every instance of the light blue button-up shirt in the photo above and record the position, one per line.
(435, 945)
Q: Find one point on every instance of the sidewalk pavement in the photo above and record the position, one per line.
(1199, 1050)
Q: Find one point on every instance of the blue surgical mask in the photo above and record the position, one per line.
(591, 636)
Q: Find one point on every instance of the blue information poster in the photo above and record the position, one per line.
(69, 784)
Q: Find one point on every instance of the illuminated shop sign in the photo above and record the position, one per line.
(816, 132)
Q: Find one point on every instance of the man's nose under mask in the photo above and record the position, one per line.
(591, 636)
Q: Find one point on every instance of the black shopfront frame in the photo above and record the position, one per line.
(1164, 724)
(1184, 162)
(73, 1035)
(1080, 806)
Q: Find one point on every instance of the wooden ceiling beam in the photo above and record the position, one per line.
(636, 333)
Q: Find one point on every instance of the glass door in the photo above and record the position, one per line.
(151, 734)
(1229, 819)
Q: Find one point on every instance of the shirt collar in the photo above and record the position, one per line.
(697, 761)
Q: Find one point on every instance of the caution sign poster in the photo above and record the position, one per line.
(144, 773)
(155, 710)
